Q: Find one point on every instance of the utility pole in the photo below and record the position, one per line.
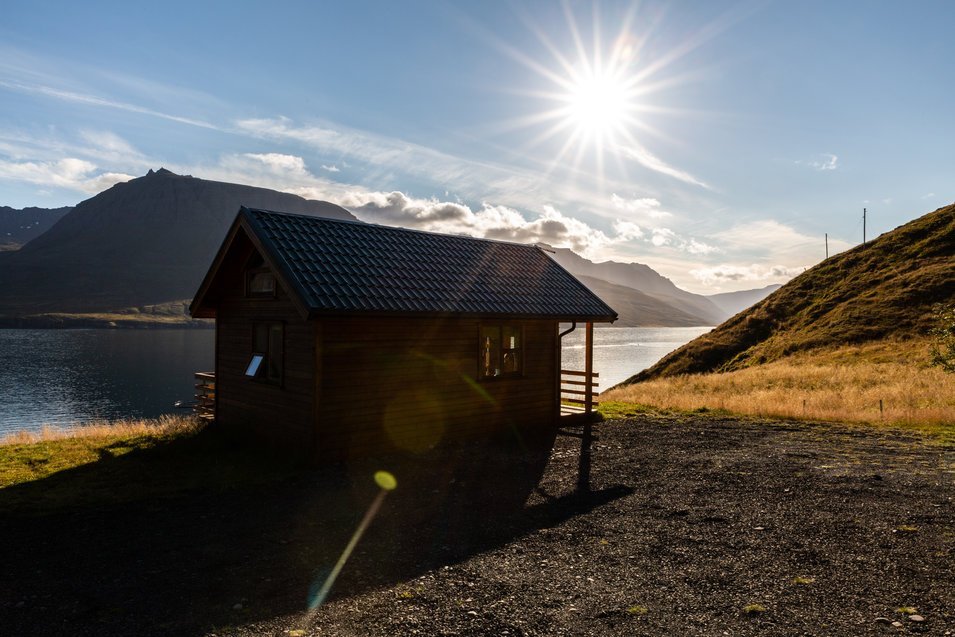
(827, 245)
(863, 225)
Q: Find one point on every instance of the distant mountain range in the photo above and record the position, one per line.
(883, 290)
(735, 302)
(640, 277)
(20, 226)
(149, 241)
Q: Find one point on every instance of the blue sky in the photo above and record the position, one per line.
(717, 142)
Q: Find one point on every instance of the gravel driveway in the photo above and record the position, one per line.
(690, 525)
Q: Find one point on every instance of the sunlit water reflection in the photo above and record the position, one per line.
(621, 352)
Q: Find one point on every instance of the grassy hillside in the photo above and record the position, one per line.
(879, 383)
(884, 288)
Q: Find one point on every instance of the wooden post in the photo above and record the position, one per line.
(587, 436)
(589, 369)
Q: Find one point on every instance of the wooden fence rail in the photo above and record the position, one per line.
(577, 391)
(205, 406)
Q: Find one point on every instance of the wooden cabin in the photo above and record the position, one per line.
(341, 338)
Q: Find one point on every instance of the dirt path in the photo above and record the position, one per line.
(692, 526)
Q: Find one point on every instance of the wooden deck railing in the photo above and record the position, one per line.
(205, 406)
(577, 391)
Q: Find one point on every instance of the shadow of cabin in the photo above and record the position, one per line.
(233, 526)
(339, 339)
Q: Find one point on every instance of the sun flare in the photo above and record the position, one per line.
(599, 103)
(599, 100)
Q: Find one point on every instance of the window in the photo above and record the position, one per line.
(259, 284)
(268, 352)
(501, 351)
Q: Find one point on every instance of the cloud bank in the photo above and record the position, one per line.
(71, 173)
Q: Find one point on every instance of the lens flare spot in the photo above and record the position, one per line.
(385, 480)
(415, 421)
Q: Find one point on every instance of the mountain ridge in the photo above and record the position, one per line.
(145, 241)
(735, 302)
(641, 277)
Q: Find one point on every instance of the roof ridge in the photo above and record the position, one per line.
(367, 224)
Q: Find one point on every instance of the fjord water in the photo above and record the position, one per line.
(621, 352)
(67, 377)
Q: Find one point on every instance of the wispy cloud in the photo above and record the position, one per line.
(330, 168)
(639, 206)
(771, 237)
(825, 161)
(727, 273)
(379, 158)
(778, 252)
(644, 216)
(95, 100)
(650, 161)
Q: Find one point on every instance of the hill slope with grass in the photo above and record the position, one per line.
(882, 290)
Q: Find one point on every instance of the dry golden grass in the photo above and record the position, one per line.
(844, 384)
(164, 425)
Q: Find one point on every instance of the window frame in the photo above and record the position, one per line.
(517, 329)
(274, 351)
(250, 274)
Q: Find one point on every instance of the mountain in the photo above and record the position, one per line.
(147, 241)
(648, 282)
(636, 309)
(883, 289)
(20, 226)
(735, 302)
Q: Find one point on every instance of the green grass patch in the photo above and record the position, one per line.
(106, 470)
(612, 410)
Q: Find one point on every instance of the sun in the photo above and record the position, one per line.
(599, 104)
(596, 93)
(594, 101)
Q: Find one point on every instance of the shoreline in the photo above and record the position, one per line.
(103, 321)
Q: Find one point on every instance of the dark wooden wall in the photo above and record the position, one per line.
(411, 384)
(281, 414)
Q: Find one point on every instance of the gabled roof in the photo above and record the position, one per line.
(344, 267)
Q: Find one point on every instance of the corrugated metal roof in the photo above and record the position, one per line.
(345, 266)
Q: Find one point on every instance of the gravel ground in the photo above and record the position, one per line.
(688, 525)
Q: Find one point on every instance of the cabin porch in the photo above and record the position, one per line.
(577, 387)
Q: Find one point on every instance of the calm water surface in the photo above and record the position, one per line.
(65, 377)
(621, 352)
